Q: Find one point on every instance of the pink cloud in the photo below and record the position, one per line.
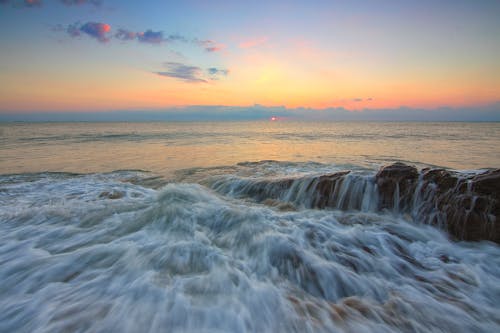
(253, 42)
(97, 30)
(210, 45)
(32, 3)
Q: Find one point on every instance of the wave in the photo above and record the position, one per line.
(466, 204)
(108, 252)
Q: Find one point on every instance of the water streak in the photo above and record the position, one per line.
(102, 253)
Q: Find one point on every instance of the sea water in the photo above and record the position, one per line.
(157, 227)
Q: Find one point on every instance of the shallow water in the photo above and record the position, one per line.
(201, 249)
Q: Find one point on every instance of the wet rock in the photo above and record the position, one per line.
(468, 207)
(443, 178)
(282, 206)
(268, 189)
(396, 185)
(326, 189)
(488, 182)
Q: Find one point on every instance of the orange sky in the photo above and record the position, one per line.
(350, 56)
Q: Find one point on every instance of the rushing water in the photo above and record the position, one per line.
(204, 247)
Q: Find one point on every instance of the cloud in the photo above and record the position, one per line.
(362, 99)
(258, 112)
(192, 74)
(176, 38)
(102, 32)
(97, 30)
(73, 30)
(38, 3)
(32, 3)
(216, 73)
(81, 2)
(253, 42)
(209, 45)
(151, 37)
(186, 73)
(123, 34)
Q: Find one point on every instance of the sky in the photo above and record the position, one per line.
(408, 58)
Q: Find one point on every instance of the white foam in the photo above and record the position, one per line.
(184, 259)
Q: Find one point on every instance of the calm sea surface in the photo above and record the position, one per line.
(186, 227)
(165, 147)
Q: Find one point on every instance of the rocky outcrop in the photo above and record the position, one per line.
(467, 206)
(396, 184)
(326, 189)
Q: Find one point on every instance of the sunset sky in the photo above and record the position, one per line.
(77, 55)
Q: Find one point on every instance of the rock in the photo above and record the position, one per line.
(443, 178)
(396, 185)
(326, 188)
(467, 207)
(282, 206)
(488, 184)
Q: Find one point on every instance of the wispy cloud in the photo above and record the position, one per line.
(358, 99)
(38, 3)
(125, 35)
(215, 73)
(186, 73)
(176, 38)
(151, 37)
(81, 2)
(256, 112)
(73, 30)
(192, 74)
(32, 3)
(102, 32)
(209, 45)
(253, 42)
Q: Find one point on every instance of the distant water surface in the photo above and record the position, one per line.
(164, 147)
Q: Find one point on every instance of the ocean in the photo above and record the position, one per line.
(268, 226)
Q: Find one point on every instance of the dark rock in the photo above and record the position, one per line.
(469, 207)
(443, 178)
(396, 185)
(326, 188)
(488, 183)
